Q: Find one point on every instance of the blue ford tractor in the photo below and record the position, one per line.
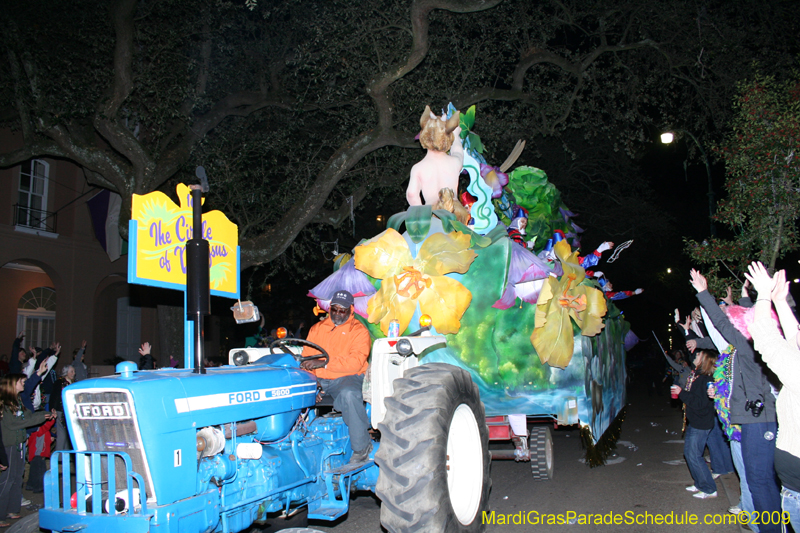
(177, 451)
(222, 449)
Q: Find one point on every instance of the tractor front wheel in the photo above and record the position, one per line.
(434, 453)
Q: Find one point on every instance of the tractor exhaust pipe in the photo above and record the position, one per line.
(198, 298)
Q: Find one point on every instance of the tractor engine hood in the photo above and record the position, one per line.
(154, 415)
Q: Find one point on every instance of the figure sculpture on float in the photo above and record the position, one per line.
(438, 169)
(448, 202)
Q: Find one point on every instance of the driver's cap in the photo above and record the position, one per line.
(343, 298)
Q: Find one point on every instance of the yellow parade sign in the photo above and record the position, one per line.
(158, 232)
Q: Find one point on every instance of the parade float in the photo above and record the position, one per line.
(481, 308)
(500, 275)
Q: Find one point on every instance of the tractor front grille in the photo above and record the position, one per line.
(106, 421)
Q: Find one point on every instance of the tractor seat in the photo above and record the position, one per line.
(325, 408)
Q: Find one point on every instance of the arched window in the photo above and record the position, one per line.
(36, 316)
(40, 298)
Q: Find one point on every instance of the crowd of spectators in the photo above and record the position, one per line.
(738, 390)
(31, 413)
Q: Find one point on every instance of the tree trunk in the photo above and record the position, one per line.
(776, 247)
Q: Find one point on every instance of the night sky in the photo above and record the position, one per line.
(683, 194)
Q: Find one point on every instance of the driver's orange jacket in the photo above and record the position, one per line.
(347, 345)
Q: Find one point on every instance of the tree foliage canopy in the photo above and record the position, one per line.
(303, 110)
(763, 182)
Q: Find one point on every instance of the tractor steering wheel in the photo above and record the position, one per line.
(299, 342)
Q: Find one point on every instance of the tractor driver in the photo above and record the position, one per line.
(347, 342)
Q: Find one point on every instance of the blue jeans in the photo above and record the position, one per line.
(719, 451)
(746, 503)
(348, 400)
(694, 443)
(790, 502)
(11, 481)
(758, 453)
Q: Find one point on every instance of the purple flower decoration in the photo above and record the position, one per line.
(566, 213)
(526, 275)
(631, 340)
(494, 179)
(349, 279)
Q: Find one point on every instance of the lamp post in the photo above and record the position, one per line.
(667, 138)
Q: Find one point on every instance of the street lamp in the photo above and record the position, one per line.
(666, 138)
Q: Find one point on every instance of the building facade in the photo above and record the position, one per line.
(58, 282)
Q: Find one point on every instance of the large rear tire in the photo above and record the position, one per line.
(434, 453)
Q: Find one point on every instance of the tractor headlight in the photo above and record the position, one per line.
(404, 347)
(241, 358)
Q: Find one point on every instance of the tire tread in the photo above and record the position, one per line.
(412, 483)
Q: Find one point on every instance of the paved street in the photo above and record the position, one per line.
(637, 482)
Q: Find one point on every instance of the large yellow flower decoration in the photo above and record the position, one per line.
(408, 281)
(561, 300)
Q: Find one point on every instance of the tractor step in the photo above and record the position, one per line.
(330, 508)
(327, 512)
(349, 468)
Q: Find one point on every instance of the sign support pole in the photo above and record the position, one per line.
(199, 256)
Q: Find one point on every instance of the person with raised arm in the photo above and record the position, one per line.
(752, 404)
(701, 418)
(782, 355)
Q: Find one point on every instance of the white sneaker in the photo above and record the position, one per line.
(735, 509)
(704, 495)
(25, 502)
(715, 476)
(692, 488)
